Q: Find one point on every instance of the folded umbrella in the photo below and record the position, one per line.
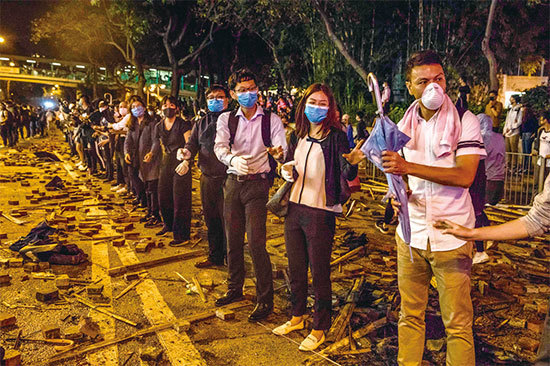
(386, 136)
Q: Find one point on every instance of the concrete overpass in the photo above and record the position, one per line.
(40, 70)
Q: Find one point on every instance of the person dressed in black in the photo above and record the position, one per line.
(213, 173)
(174, 188)
(362, 133)
(138, 125)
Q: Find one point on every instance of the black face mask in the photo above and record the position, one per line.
(491, 98)
(169, 112)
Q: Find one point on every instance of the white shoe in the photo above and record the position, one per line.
(82, 168)
(311, 343)
(288, 327)
(490, 243)
(116, 188)
(480, 257)
(122, 190)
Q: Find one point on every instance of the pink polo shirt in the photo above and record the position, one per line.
(431, 201)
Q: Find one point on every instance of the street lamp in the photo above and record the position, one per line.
(2, 39)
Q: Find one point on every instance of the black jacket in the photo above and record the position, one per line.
(336, 167)
(201, 141)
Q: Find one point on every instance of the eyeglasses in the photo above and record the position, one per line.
(253, 89)
(215, 98)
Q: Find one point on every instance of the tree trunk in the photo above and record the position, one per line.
(487, 50)
(373, 24)
(280, 69)
(339, 45)
(141, 78)
(421, 22)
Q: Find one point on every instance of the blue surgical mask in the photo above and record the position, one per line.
(138, 111)
(248, 99)
(215, 105)
(315, 114)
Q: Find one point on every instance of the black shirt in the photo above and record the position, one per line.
(174, 139)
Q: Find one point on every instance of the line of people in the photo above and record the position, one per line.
(22, 121)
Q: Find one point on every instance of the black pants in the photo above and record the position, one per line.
(6, 135)
(494, 191)
(151, 191)
(174, 193)
(244, 210)
(481, 221)
(212, 209)
(309, 233)
(108, 161)
(138, 187)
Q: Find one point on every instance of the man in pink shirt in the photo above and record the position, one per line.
(440, 163)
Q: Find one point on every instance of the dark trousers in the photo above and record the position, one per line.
(494, 191)
(108, 161)
(174, 192)
(6, 135)
(309, 234)
(138, 187)
(244, 210)
(151, 192)
(212, 209)
(481, 221)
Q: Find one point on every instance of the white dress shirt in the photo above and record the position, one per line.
(431, 201)
(248, 140)
(121, 125)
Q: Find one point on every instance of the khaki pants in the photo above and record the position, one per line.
(452, 273)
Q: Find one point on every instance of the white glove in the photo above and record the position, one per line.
(183, 167)
(183, 154)
(287, 170)
(240, 163)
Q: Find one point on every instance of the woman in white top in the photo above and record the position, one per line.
(319, 173)
(512, 126)
(543, 145)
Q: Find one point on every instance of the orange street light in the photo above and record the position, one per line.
(2, 39)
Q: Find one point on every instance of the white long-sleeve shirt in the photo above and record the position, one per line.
(513, 121)
(248, 140)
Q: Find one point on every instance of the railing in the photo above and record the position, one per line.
(524, 177)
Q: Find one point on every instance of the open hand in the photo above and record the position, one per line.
(459, 231)
(277, 152)
(355, 156)
(148, 157)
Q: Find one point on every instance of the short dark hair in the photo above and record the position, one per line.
(517, 98)
(426, 57)
(361, 114)
(546, 115)
(215, 87)
(493, 92)
(239, 76)
(171, 99)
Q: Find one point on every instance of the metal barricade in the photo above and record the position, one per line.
(524, 178)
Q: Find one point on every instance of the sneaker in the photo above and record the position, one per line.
(163, 232)
(480, 257)
(381, 226)
(288, 327)
(122, 190)
(82, 168)
(116, 188)
(311, 343)
(178, 242)
(490, 243)
(146, 218)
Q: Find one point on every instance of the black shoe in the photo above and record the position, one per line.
(163, 232)
(146, 218)
(261, 311)
(229, 297)
(154, 222)
(381, 226)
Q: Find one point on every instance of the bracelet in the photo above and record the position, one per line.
(230, 160)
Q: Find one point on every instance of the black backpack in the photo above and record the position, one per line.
(233, 123)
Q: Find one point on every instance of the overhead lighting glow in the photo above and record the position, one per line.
(152, 69)
(12, 64)
(4, 59)
(80, 66)
(56, 64)
(31, 61)
(102, 68)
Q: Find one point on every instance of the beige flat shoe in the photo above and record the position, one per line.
(311, 343)
(287, 327)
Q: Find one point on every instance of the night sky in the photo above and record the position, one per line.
(15, 25)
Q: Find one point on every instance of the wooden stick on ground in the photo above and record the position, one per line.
(131, 286)
(199, 288)
(106, 312)
(347, 255)
(117, 271)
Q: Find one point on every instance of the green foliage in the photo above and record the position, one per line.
(538, 98)
(397, 111)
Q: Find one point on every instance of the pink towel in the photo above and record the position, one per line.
(447, 127)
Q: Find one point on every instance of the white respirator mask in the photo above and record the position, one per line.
(433, 96)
